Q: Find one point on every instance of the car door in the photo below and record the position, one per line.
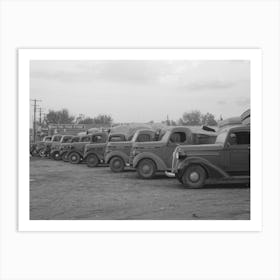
(176, 139)
(238, 152)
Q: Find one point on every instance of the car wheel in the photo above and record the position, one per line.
(41, 153)
(117, 164)
(194, 177)
(146, 169)
(179, 178)
(92, 160)
(56, 156)
(74, 158)
(64, 157)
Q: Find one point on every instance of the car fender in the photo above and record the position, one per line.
(53, 151)
(75, 151)
(92, 153)
(145, 155)
(120, 154)
(213, 171)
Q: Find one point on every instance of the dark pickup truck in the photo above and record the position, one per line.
(45, 151)
(94, 152)
(55, 146)
(35, 148)
(150, 157)
(66, 147)
(117, 153)
(227, 161)
(77, 150)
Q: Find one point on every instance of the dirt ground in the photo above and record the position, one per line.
(64, 191)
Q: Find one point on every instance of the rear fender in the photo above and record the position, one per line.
(120, 154)
(145, 155)
(212, 170)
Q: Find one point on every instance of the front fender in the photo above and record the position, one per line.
(158, 161)
(213, 171)
(75, 151)
(92, 153)
(120, 154)
(53, 151)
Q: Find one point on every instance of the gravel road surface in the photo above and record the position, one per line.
(64, 191)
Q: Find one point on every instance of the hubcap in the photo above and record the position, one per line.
(74, 158)
(117, 164)
(146, 169)
(92, 160)
(194, 176)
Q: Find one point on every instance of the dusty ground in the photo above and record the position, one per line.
(62, 191)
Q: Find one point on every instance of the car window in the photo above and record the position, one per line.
(116, 139)
(239, 138)
(144, 138)
(85, 139)
(97, 139)
(178, 137)
(74, 139)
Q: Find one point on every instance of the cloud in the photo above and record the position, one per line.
(243, 101)
(138, 72)
(209, 85)
(222, 102)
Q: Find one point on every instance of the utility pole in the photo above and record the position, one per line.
(40, 115)
(34, 117)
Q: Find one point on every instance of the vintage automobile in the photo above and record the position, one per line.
(228, 160)
(94, 153)
(66, 147)
(35, 148)
(45, 151)
(77, 151)
(55, 146)
(150, 157)
(117, 153)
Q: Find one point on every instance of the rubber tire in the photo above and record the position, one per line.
(56, 155)
(64, 157)
(178, 177)
(92, 160)
(74, 158)
(117, 160)
(148, 163)
(188, 182)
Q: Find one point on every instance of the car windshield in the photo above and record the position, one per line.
(221, 138)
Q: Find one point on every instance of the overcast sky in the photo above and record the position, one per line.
(141, 91)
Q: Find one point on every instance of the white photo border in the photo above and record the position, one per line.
(255, 58)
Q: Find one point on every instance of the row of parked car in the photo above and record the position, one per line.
(194, 156)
